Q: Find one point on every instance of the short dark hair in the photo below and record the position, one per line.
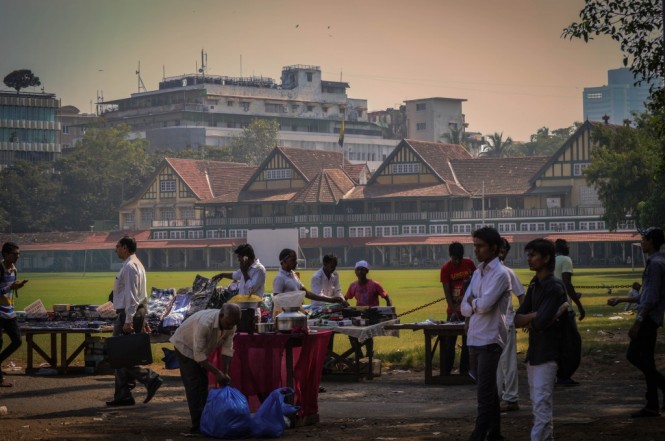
(488, 235)
(285, 253)
(245, 250)
(456, 249)
(544, 247)
(505, 245)
(329, 258)
(9, 247)
(129, 242)
(655, 235)
(561, 247)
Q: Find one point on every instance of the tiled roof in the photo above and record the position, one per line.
(208, 179)
(502, 176)
(356, 171)
(405, 191)
(438, 156)
(312, 162)
(329, 186)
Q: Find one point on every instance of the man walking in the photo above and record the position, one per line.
(643, 333)
(9, 285)
(486, 303)
(129, 301)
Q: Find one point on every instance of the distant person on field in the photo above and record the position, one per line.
(367, 293)
(634, 293)
(506, 376)
(644, 331)
(563, 270)
(9, 286)
(544, 301)
(455, 276)
(485, 303)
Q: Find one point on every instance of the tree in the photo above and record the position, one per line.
(104, 169)
(496, 147)
(20, 79)
(255, 142)
(622, 168)
(31, 190)
(545, 143)
(206, 152)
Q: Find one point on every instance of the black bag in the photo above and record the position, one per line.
(129, 350)
(570, 349)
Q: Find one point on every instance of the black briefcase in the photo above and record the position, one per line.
(128, 350)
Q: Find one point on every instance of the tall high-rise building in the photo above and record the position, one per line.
(618, 100)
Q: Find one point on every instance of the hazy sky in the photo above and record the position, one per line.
(506, 57)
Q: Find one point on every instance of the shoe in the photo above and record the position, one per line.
(509, 406)
(566, 382)
(152, 387)
(123, 402)
(645, 413)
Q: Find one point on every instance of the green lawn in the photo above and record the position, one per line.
(408, 289)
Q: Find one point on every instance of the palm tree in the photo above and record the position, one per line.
(496, 147)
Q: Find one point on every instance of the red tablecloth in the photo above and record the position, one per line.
(259, 366)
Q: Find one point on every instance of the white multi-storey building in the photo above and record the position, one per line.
(190, 111)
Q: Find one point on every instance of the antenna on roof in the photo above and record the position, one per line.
(141, 86)
(204, 62)
(163, 72)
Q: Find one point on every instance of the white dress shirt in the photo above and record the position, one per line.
(325, 286)
(257, 279)
(490, 288)
(518, 291)
(286, 281)
(199, 335)
(129, 289)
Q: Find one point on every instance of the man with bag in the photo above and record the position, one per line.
(194, 340)
(129, 301)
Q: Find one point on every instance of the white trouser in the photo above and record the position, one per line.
(506, 374)
(541, 391)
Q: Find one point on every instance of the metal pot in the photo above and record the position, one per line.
(264, 328)
(289, 319)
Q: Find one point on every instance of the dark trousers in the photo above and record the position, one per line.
(488, 422)
(126, 377)
(449, 346)
(641, 354)
(358, 347)
(195, 380)
(9, 327)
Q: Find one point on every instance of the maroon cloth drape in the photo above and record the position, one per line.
(259, 366)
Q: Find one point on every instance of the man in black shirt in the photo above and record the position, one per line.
(544, 301)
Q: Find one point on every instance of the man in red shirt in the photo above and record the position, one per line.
(366, 292)
(454, 276)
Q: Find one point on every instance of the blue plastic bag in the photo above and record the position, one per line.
(226, 414)
(268, 421)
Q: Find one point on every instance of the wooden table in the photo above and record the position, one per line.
(438, 331)
(51, 357)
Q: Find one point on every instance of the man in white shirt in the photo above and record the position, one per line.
(194, 340)
(325, 281)
(129, 301)
(251, 276)
(506, 376)
(485, 304)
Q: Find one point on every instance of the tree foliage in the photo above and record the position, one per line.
(545, 142)
(104, 169)
(31, 191)
(21, 79)
(255, 142)
(622, 168)
(497, 147)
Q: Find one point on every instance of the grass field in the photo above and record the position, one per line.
(408, 289)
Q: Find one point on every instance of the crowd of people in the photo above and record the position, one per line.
(479, 295)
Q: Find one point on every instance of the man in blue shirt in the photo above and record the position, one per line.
(644, 331)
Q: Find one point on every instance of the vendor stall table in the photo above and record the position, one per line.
(30, 330)
(348, 364)
(430, 330)
(265, 362)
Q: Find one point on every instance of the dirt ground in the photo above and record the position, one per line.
(396, 406)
